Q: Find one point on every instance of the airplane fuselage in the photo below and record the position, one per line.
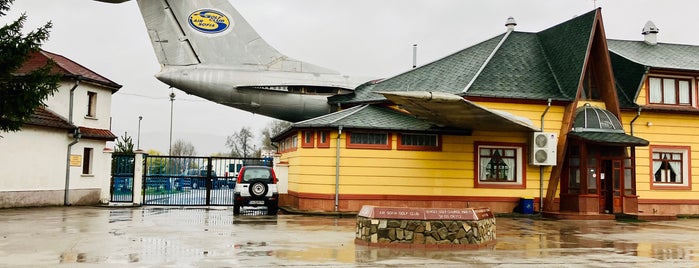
(300, 97)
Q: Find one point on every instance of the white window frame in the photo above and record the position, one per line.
(519, 171)
(686, 179)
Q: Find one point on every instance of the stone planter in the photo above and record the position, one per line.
(425, 227)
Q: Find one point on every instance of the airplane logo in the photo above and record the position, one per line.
(209, 21)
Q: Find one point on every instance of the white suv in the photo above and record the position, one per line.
(256, 186)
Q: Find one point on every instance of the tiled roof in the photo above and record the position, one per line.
(628, 77)
(65, 66)
(631, 58)
(566, 46)
(368, 117)
(450, 74)
(365, 117)
(661, 55)
(46, 118)
(98, 134)
(608, 138)
(547, 64)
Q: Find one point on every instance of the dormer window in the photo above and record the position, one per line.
(669, 91)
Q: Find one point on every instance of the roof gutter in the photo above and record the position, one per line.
(76, 139)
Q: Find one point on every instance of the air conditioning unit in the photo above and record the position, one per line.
(543, 149)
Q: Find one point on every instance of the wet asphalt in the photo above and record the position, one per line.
(213, 237)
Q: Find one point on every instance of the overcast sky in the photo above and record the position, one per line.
(359, 37)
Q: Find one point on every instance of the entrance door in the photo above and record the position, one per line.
(610, 186)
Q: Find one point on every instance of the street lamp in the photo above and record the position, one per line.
(138, 138)
(172, 101)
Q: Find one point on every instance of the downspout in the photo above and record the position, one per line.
(76, 139)
(638, 114)
(541, 168)
(337, 170)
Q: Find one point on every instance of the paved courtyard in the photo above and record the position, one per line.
(199, 237)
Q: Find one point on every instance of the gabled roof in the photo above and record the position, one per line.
(547, 64)
(65, 67)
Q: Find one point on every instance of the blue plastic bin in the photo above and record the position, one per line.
(526, 205)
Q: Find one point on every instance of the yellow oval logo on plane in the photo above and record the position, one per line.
(209, 21)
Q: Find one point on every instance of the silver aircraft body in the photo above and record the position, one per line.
(206, 48)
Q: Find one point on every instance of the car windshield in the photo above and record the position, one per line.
(256, 174)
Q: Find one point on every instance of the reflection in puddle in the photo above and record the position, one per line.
(189, 237)
(253, 249)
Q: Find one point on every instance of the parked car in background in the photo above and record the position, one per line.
(256, 186)
(194, 178)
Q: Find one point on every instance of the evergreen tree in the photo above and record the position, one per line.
(22, 93)
(124, 145)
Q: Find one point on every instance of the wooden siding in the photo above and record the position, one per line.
(449, 172)
(665, 129)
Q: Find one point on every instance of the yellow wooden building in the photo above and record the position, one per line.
(585, 126)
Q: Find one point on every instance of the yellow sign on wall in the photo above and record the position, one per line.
(76, 160)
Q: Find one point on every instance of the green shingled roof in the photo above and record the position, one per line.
(661, 55)
(631, 58)
(543, 65)
(369, 117)
(450, 74)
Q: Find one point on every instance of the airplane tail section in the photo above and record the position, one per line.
(212, 32)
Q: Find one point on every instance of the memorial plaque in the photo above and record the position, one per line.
(483, 213)
(375, 212)
(450, 214)
(398, 213)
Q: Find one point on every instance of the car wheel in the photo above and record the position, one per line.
(195, 185)
(236, 209)
(258, 189)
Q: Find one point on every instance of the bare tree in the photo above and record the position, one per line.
(183, 148)
(272, 129)
(241, 143)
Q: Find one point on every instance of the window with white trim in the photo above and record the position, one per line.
(500, 165)
(669, 91)
(670, 167)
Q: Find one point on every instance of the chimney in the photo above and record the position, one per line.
(650, 33)
(510, 24)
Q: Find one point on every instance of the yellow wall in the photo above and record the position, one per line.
(449, 172)
(664, 129)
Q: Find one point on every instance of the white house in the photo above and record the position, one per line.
(60, 156)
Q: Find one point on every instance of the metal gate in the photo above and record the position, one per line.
(197, 181)
(122, 178)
